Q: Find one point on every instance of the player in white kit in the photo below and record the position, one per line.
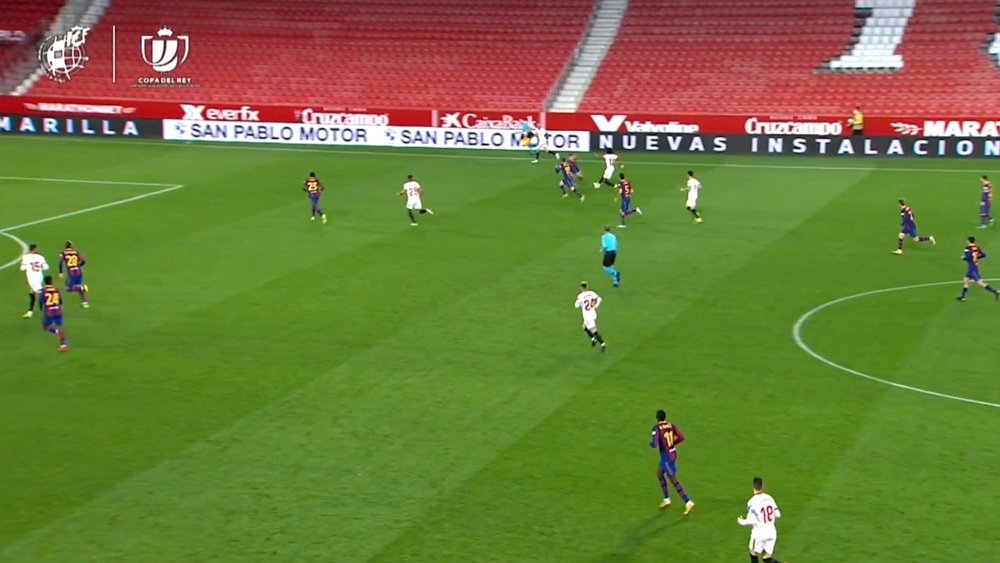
(413, 192)
(33, 265)
(540, 143)
(587, 302)
(692, 188)
(762, 511)
(610, 159)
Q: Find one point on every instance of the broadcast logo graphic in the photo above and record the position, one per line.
(63, 55)
(165, 53)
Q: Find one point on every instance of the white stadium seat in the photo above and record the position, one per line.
(875, 48)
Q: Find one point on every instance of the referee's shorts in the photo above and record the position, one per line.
(609, 259)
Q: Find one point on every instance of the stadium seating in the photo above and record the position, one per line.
(774, 57)
(26, 16)
(476, 54)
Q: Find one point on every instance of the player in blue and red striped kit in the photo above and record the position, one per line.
(908, 228)
(666, 438)
(972, 255)
(625, 193)
(73, 261)
(986, 203)
(52, 320)
(314, 187)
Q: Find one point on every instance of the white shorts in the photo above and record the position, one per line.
(414, 204)
(35, 283)
(762, 544)
(542, 146)
(590, 321)
(692, 201)
(609, 172)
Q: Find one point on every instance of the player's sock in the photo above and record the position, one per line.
(61, 335)
(412, 218)
(578, 193)
(965, 291)
(681, 492)
(666, 488)
(623, 217)
(588, 333)
(923, 239)
(899, 244)
(754, 558)
(694, 212)
(608, 182)
(771, 560)
(31, 301)
(991, 289)
(423, 211)
(598, 337)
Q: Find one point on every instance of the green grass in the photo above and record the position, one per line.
(249, 386)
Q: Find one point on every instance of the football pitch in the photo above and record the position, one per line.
(250, 386)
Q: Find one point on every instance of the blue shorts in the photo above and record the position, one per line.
(74, 282)
(909, 230)
(49, 322)
(668, 466)
(626, 203)
(984, 209)
(568, 183)
(973, 274)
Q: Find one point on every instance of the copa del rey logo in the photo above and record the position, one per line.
(614, 123)
(165, 53)
(470, 120)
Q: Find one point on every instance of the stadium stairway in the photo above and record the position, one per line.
(19, 60)
(582, 68)
(74, 12)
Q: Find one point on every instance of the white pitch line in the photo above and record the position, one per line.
(407, 152)
(800, 342)
(20, 242)
(94, 208)
(75, 181)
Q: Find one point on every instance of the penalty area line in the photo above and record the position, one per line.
(84, 181)
(6, 231)
(801, 343)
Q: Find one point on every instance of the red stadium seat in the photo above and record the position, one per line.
(481, 54)
(724, 56)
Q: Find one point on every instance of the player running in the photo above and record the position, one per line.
(73, 261)
(314, 187)
(762, 511)
(692, 188)
(986, 203)
(908, 222)
(51, 303)
(574, 167)
(972, 255)
(587, 302)
(666, 438)
(609, 248)
(568, 182)
(610, 158)
(540, 143)
(625, 193)
(33, 265)
(413, 192)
